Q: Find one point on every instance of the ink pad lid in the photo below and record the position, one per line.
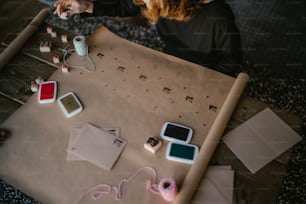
(70, 104)
(47, 92)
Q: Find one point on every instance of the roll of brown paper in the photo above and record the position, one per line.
(209, 145)
(15, 46)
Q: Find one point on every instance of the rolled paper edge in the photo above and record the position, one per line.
(197, 170)
(16, 45)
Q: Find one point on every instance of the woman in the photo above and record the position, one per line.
(203, 32)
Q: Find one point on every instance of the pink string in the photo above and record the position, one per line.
(103, 189)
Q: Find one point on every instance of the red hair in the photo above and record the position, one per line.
(171, 9)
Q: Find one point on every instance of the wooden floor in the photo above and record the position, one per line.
(15, 79)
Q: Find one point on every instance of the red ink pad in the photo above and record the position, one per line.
(47, 92)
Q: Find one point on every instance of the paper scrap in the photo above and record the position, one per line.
(261, 139)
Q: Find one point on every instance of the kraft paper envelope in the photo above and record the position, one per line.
(261, 139)
(97, 146)
(75, 132)
(217, 186)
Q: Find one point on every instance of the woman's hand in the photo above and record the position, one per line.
(66, 8)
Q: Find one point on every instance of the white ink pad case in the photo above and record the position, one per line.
(180, 152)
(70, 104)
(47, 92)
(174, 132)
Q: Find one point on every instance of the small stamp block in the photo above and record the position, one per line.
(45, 46)
(39, 80)
(34, 86)
(64, 67)
(55, 59)
(153, 144)
(49, 29)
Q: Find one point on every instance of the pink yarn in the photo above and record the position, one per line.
(166, 188)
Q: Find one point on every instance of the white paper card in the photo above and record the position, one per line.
(261, 139)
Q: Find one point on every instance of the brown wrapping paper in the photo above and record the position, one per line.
(16, 45)
(133, 88)
(209, 145)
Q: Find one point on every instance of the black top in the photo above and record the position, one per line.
(211, 38)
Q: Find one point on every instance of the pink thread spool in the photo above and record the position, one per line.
(168, 189)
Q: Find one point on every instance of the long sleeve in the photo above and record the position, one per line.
(228, 46)
(211, 38)
(121, 8)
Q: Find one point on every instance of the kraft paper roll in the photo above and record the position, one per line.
(15, 46)
(209, 145)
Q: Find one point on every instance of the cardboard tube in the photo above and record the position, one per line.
(197, 170)
(16, 45)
